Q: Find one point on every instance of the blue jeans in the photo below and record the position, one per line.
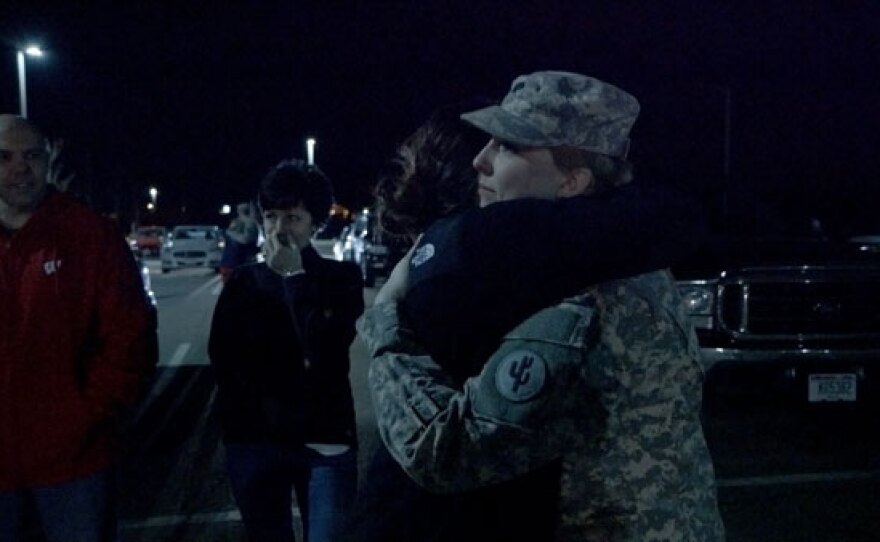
(81, 510)
(263, 476)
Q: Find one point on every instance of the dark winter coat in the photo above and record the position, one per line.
(279, 347)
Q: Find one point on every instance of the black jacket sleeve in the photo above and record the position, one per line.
(488, 269)
(584, 240)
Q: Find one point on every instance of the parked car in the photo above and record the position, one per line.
(192, 246)
(145, 275)
(342, 245)
(366, 245)
(356, 237)
(148, 239)
(325, 238)
(796, 319)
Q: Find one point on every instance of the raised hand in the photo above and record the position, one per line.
(282, 255)
(55, 174)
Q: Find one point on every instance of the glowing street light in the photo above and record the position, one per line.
(154, 193)
(310, 151)
(30, 50)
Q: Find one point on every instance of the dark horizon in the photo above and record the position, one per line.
(201, 101)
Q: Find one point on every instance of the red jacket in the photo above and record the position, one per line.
(77, 341)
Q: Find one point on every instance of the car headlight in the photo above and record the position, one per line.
(699, 301)
(145, 277)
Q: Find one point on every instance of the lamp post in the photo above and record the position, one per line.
(154, 194)
(31, 50)
(726, 95)
(310, 151)
(725, 162)
(727, 118)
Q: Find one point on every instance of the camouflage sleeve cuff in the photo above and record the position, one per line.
(383, 330)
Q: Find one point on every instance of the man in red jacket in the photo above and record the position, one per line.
(77, 342)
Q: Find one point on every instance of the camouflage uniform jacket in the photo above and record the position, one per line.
(609, 381)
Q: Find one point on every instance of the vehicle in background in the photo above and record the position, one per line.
(342, 245)
(145, 275)
(866, 243)
(148, 240)
(357, 236)
(325, 238)
(786, 317)
(374, 251)
(192, 246)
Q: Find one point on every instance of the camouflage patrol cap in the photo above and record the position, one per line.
(555, 108)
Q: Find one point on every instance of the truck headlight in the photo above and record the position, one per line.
(699, 301)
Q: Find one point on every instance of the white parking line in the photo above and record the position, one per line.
(217, 289)
(179, 354)
(211, 283)
(804, 478)
(193, 519)
(169, 521)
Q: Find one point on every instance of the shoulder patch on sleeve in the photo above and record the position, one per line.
(422, 254)
(520, 375)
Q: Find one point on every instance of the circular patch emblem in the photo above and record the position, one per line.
(422, 254)
(520, 375)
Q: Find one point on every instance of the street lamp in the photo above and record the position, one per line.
(310, 151)
(154, 192)
(31, 50)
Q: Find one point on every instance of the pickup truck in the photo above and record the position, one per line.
(790, 318)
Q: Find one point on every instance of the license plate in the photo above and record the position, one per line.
(379, 249)
(831, 387)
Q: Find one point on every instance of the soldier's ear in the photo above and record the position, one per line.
(575, 182)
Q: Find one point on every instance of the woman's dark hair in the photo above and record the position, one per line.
(431, 175)
(292, 182)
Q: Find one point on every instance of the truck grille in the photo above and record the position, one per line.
(800, 303)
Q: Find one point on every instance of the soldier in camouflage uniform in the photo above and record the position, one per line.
(608, 381)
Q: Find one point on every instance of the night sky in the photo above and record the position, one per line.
(200, 99)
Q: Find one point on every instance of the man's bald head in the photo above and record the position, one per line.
(24, 166)
(9, 121)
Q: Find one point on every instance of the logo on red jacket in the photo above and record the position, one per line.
(50, 267)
